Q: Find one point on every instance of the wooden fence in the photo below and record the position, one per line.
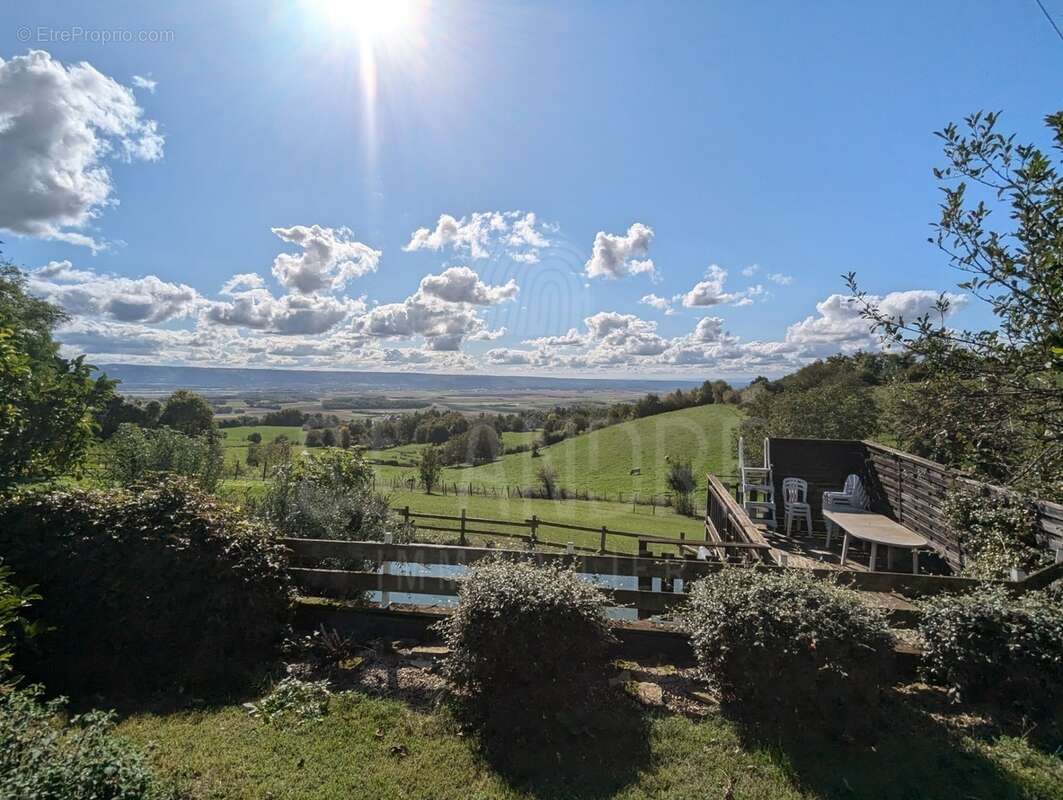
(316, 581)
(535, 532)
(915, 490)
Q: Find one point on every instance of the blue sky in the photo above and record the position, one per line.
(790, 142)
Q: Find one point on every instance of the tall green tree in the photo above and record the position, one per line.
(46, 402)
(187, 412)
(430, 467)
(991, 401)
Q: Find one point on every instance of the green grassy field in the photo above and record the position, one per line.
(602, 461)
(589, 513)
(238, 437)
(593, 514)
(407, 454)
(235, 440)
(367, 747)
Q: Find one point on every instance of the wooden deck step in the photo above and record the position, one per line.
(902, 612)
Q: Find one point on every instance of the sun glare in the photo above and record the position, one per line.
(372, 21)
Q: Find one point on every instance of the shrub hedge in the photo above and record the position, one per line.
(46, 756)
(784, 648)
(988, 645)
(143, 589)
(329, 495)
(527, 642)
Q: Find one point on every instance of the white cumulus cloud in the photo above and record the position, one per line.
(484, 234)
(82, 292)
(462, 285)
(58, 126)
(619, 255)
(443, 311)
(658, 302)
(710, 291)
(329, 258)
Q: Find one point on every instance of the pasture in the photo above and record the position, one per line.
(631, 457)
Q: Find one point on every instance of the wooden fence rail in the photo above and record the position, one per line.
(315, 580)
(726, 522)
(461, 525)
(314, 573)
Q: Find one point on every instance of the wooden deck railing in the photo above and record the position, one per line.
(726, 522)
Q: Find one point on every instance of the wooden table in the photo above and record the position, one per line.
(876, 529)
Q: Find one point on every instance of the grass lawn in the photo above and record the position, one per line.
(368, 747)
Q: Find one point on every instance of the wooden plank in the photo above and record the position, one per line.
(687, 569)
(344, 582)
(747, 529)
(678, 542)
(378, 552)
(1043, 577)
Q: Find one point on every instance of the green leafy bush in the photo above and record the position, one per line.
(988, 645)
(996, 533)
(293, 701)
(783, 648)
(329, 495)
(134, 455)
(527, 642)
(682, 482)
(13, 622)
(45, 756)
(144, 589)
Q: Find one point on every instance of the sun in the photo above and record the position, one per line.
(372, 21)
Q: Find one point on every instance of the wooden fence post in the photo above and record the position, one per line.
(644, 584)
(406, 515)
(385, 569)
(601, 544)
(534, 530)
(461, 536)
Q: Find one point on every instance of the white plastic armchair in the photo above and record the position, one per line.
(795, 503)
(852, 496)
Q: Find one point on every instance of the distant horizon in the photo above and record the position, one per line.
(392, 381)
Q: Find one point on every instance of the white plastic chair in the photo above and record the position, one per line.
(795, 502)
(852, 496)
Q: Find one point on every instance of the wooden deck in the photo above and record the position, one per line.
(810, 551)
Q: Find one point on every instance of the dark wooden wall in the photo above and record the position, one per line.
(824, 463)
(915, 490)
(907, 488)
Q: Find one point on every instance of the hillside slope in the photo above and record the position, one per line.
(602, 461)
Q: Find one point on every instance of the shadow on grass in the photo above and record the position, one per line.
(909, 752)
(593, 754)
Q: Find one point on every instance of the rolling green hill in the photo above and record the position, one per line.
(602, 461)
